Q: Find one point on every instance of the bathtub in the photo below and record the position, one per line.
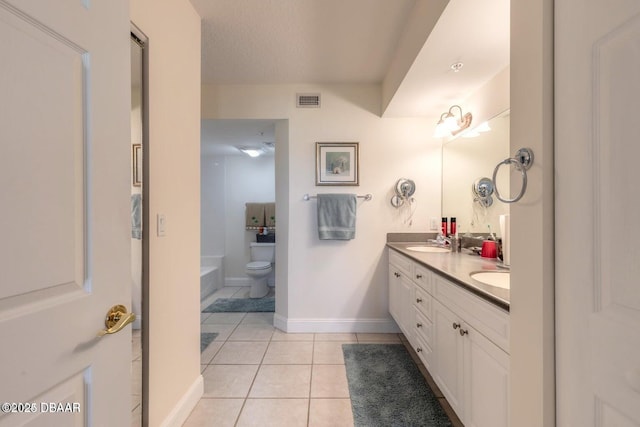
(210, 276)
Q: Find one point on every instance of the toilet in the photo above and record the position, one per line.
(262, 256)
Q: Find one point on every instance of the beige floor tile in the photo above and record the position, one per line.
(329, 381)
(208, 354)
(204, 316)
(240, 353)
(328, 352)
(135, 402)
(215, 413)
(336, 337)
(227, 291)
(225, 318)
(278, 335)
(252, 333)
(242, 292)
(379, 338)
(258, 319)
(228, 380)
(274, 413)
(136, 417)
(282, 381)
(287, 352)
(330, 413)
(223, 331)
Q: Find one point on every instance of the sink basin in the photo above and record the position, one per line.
(432, 249)
(499, 279)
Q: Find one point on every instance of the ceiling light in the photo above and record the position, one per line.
(449, 125)
(251, 152)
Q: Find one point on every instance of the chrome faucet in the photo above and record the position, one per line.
(441, 241)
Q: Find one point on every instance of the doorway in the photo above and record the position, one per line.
(139, 250)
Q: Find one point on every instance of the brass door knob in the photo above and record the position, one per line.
(117, 318)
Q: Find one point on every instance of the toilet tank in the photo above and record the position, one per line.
(262, 251)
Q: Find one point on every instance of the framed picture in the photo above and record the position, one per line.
(337, 163)
(137, 165)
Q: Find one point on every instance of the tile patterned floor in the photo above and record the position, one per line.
(256, 375)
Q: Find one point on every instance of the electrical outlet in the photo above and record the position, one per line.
(434, 224)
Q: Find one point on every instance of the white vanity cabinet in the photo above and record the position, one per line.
(462, 339)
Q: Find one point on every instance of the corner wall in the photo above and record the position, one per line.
(532, 218)
(337, 285)
(173, 302)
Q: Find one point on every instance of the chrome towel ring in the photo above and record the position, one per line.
(522, 161)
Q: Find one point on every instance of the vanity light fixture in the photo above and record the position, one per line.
(476, 131)
(449, 125)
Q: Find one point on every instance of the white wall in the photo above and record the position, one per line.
(173, 301)
(333, 285)
(228, 182)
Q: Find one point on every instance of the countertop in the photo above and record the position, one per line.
(456, 267)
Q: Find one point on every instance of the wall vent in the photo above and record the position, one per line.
(308, 100)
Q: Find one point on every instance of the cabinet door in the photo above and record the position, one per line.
(486, 378)
(400, 305)
(448, 355)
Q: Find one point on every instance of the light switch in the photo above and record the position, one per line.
(162, 225)
(434, 224)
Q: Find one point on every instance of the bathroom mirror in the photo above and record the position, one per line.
(466, 161)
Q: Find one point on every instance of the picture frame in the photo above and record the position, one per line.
(137, 165)
(337, 163)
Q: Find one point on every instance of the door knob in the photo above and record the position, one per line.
(117, 318)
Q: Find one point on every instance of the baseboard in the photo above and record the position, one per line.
(185, 405)
(372, 326)
(237, 281)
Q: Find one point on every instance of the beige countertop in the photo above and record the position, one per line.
(456, 267)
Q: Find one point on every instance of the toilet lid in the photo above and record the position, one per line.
(258, 265)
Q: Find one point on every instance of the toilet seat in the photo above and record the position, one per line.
(258, 265)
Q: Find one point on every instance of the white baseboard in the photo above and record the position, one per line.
(237, 281)
(372, 326)
(185, 405)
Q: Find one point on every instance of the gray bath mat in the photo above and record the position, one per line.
(242, 305)
(387, 389)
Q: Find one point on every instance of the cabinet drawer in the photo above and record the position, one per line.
(423, 277)
(423, 328)
(422, 301)
(400, 262)
(424, 351)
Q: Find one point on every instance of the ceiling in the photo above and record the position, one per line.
(355, 41)
(221, 137)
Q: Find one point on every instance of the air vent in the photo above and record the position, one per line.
(308, 100)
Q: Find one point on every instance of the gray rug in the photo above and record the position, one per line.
(206, 338)
(388, 390)
(242, 305)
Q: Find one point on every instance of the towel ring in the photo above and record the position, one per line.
(522, 161)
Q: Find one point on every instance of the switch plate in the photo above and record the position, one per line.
(162, 225)
(434, 224)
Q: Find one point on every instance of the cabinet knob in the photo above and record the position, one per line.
(418, 299)
(418, 276)
(463, 332)
(456, 325)
(419, 325)
(419, 349)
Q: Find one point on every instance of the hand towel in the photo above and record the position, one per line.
(270, 215)
(254, 214)
(337, 216)
(136, 216)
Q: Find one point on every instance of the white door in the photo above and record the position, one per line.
(64, 212)
(597, 107)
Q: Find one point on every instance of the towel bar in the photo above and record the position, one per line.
(366, 197)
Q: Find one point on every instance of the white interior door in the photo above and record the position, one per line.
(64, 211)
(597, 65)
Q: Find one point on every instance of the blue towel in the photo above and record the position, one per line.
(136, 216)
(337, 216)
